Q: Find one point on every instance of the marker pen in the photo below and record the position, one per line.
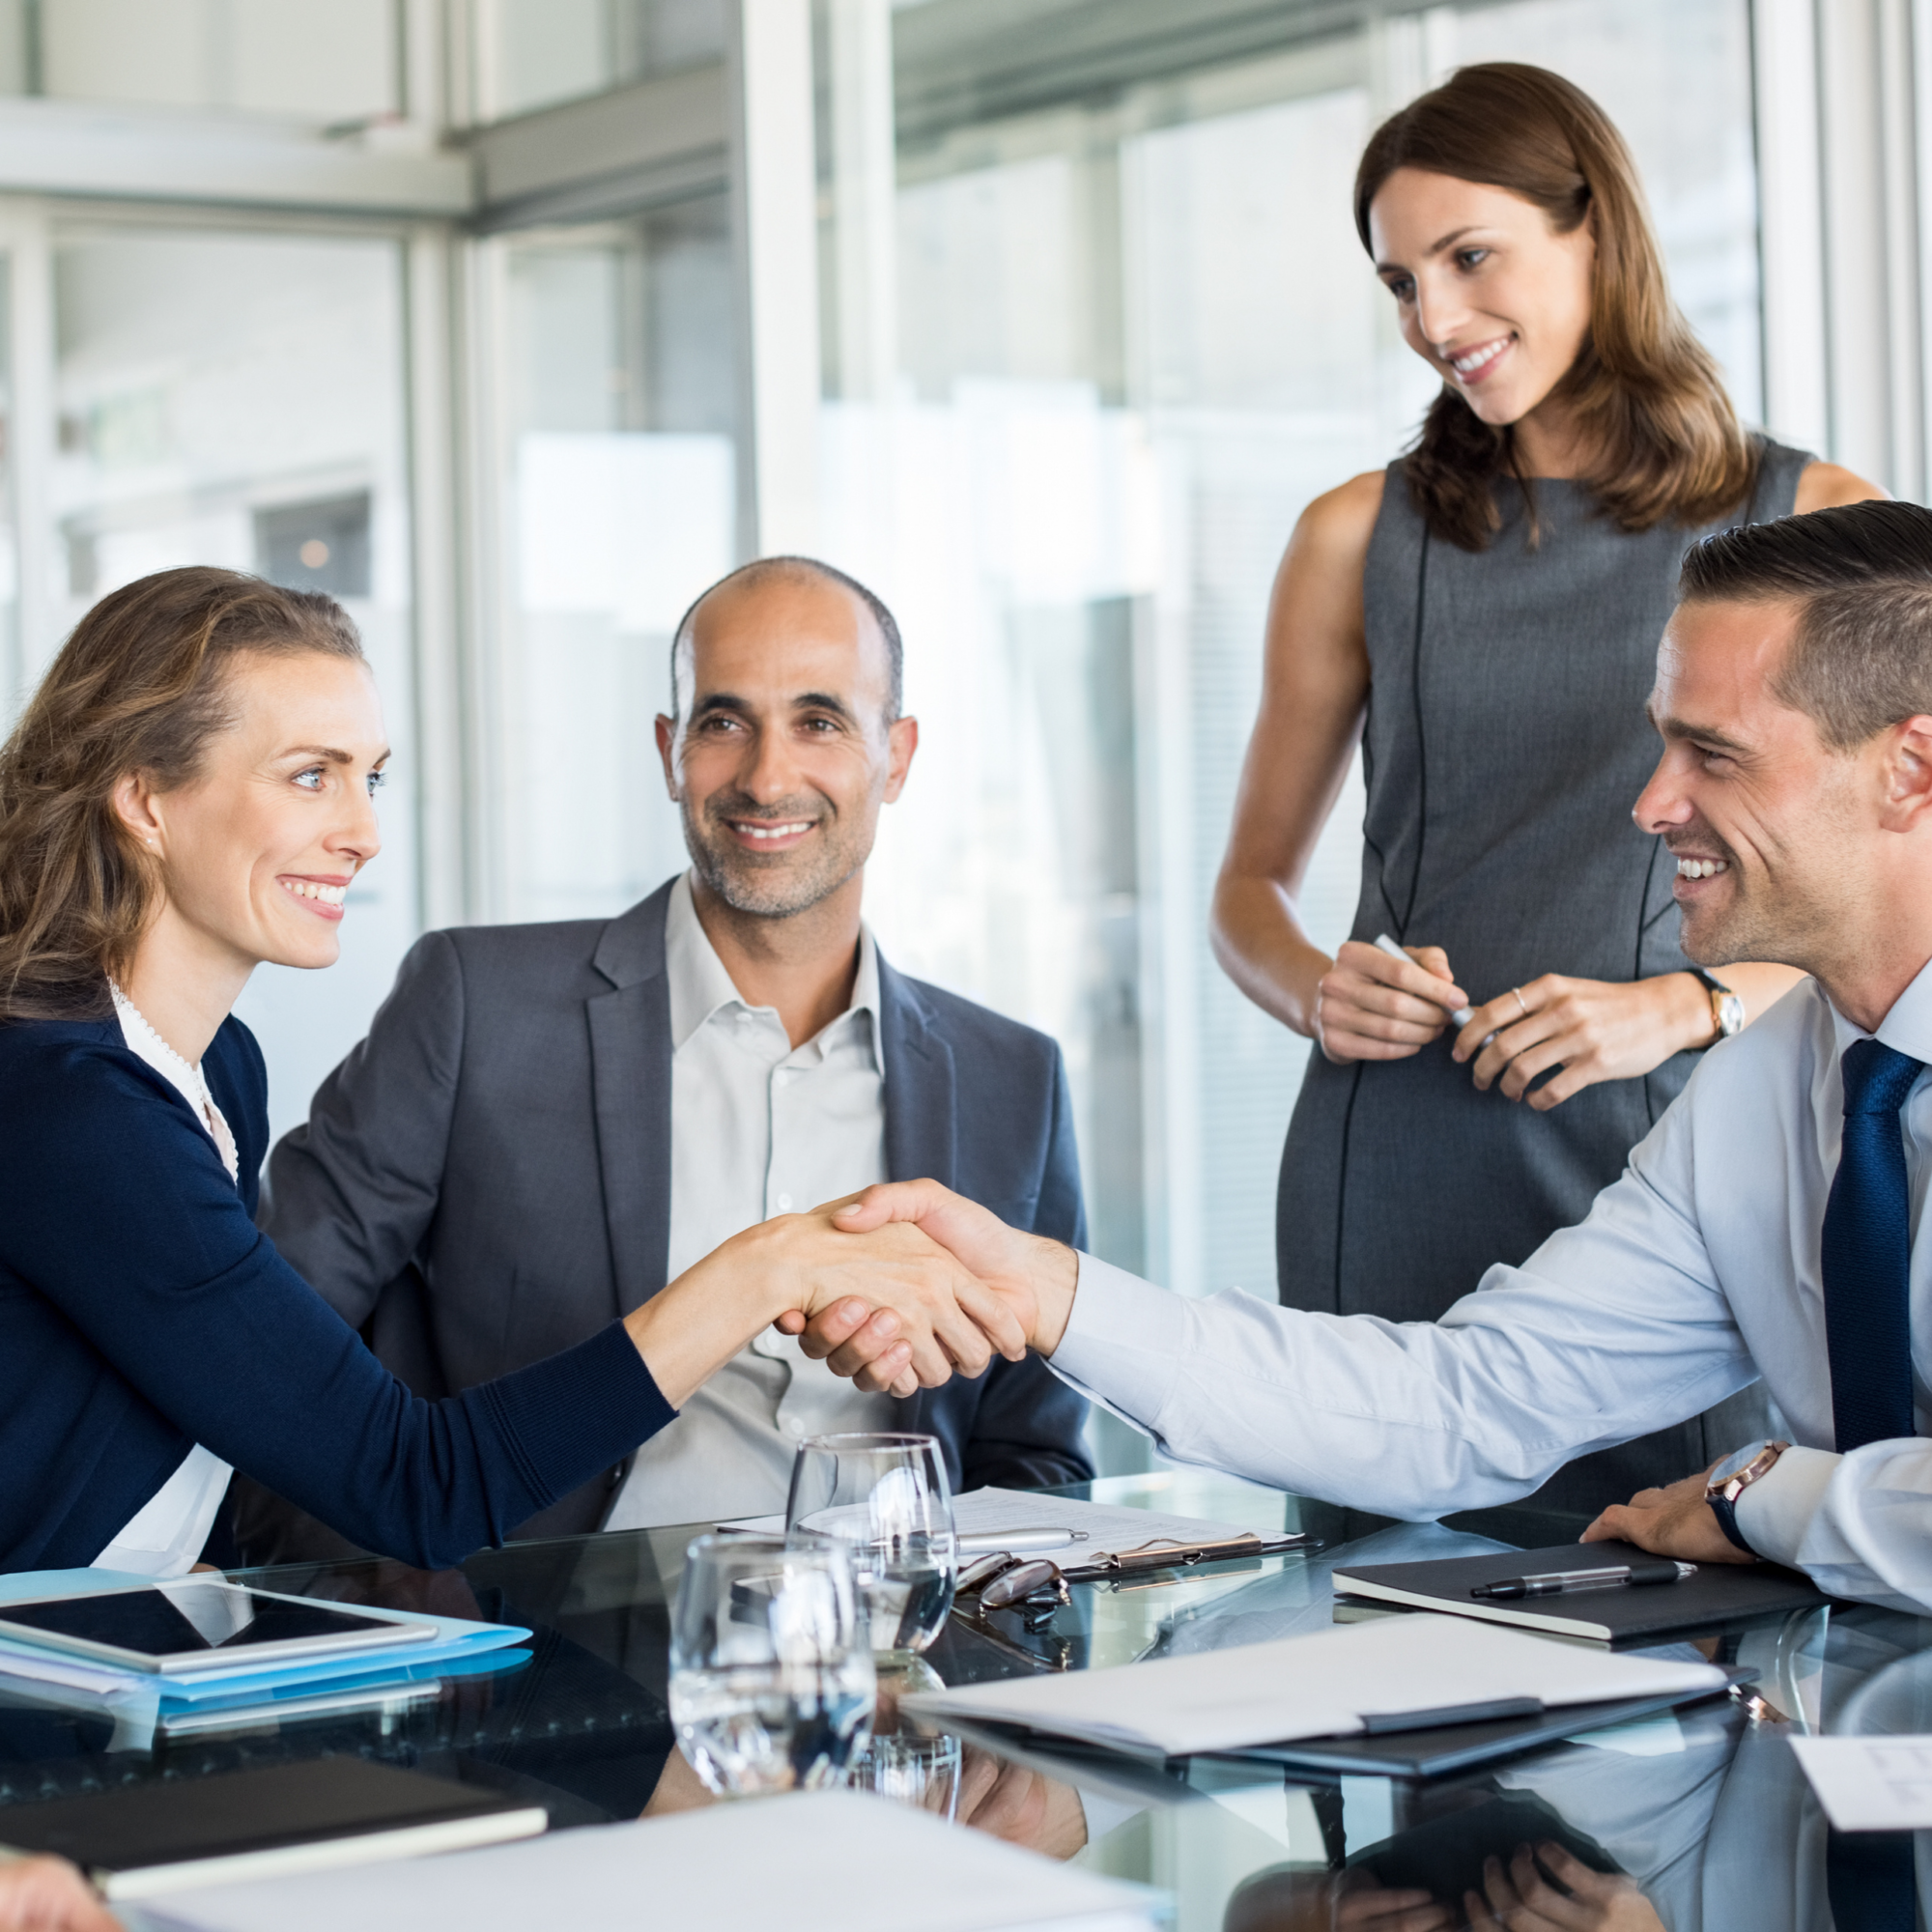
(1461, 1016)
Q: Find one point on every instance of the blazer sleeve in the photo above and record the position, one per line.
(1025, 1433)
(128, 1223)
(351, 1192)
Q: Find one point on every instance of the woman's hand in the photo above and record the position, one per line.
(1029, 1280)
(805, 1265)
(1590, 1030)
(1371, 1007)
(1521, 1899)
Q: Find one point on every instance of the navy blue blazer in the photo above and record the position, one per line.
(141, 1312)
(486, 1178)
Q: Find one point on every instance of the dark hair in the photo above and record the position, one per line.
(139, 686)
(782, 569)
(1860, 659)
(1646, 392)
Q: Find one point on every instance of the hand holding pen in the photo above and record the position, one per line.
(1377, 1002)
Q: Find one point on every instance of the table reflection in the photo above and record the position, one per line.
(1696, 1821)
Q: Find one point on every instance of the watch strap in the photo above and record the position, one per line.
(1711, 984)
(1726, 1513)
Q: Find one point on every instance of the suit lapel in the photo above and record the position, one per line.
(629, 1074)
(921, 1132)
(922, 1138)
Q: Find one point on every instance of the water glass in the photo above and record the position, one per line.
(772, 1682)
(906, 1759)
(887, 1500)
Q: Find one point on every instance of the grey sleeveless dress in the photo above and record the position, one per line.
(1506, 744)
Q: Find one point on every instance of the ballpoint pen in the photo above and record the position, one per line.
(1567, 1583)
(973, 1541)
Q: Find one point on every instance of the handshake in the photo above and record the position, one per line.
(907, 1284)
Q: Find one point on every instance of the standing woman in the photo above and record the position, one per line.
(1485, 615)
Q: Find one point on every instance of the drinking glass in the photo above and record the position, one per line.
(887, 1500)
(772, 1684)
(906, 1759)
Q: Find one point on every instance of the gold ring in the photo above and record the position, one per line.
(1517, 991)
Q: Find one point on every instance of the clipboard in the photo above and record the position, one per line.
(1167, 1553)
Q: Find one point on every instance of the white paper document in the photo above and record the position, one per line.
(817, 1861)
(1870, 1784)
(1323, 1684)
(1110, 1531)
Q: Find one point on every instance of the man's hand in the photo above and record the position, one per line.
(1675, 1522)
(1029, 1280)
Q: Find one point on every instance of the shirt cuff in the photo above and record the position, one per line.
(1123, 1341)
(1775, 1512)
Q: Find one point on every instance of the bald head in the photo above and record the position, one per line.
(783, 574)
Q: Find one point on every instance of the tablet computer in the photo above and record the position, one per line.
(198, 1623)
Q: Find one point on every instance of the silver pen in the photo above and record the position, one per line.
(1461, 1016)
(976, 1541)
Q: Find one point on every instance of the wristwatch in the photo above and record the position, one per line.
(1727, 1009)
(1732, 1477)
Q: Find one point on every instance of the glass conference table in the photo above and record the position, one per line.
(1705, 1809)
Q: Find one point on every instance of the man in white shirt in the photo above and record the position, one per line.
(548, 1122)
(1767, 1226)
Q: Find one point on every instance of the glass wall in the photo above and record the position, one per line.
(534, 54)
(618, 504)
(322, 60)
(237, 399)
(1131, 333)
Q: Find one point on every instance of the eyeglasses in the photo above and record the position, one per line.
(1034, 1586)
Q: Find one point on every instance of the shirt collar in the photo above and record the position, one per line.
(1907, 1027)
(700, 983)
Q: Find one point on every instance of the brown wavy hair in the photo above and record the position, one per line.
(1646, 392)
(140, 687)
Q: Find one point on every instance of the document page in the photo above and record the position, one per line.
(1870, 1784)
(1108, 1530)
(811, 1862)
(1322, 1685)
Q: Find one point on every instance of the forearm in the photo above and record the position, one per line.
(1759, 987)
(1259, 940)
(692, 1327)
(1857, 1525)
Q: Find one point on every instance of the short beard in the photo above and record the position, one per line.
(778, 887)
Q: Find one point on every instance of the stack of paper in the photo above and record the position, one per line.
(1336, 1683)
(818, 1862)
(1106, 1529)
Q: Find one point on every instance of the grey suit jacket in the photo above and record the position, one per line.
(486, 1178)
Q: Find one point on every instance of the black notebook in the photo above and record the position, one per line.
(144, 1840)
(1720, 1593)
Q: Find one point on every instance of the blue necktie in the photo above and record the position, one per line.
(1866, 1253)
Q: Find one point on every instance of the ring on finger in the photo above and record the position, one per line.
(1515, 992)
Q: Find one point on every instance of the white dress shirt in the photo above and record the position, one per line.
(164, 1537)
(1693, 1274)
(758, 1127)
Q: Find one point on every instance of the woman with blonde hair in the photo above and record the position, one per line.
(190, 793)
(1483, 617)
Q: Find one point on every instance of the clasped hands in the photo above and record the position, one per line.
(1371, 1007)
(908, 1284)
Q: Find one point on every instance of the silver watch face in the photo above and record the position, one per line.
(1736, 1462)
(1730, 1016)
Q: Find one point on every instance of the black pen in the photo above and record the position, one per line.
(1567, 1583)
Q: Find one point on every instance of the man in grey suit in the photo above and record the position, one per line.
(548, 1122)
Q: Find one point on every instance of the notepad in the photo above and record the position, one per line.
(1399, 1674)
(814, 1861)
(146, 1840)
(1720, 1593)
